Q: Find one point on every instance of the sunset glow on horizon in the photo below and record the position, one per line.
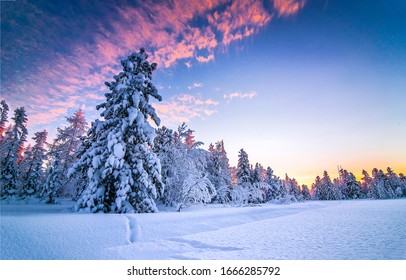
(302, 86)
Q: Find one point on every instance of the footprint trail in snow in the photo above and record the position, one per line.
(133, 229)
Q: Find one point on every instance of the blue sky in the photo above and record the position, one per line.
(302, 86)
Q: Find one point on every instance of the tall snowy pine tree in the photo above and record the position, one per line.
(240, 191)
(380, 189)
(366, 184)
(65, 147)
(124, 173)
(325, 189)
(349, 186)
(3, 118)
(274, 186)
(32, 179)
(305, 192)
(53, 182)
(11, 149)
(220, 173)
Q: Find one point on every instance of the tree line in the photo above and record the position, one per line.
(120, 163)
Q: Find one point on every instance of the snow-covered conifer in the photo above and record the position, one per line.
(11, 150)
(293, 188)
(124, 174)
(241, 191)
(381, 186)
(32, 179)
(257, 190)
(402, 179)
(305, 192)
(183, 169)
(243, 168)
(316, 188)
(377, 188)
(219, 172)
(190, 138)
(348, 184)
(65, 146)
(53, 182)
(393, 184)
(365, 184)
(256, 174)
(3, 118)
(274, 186)
(211, 148)
(324, 189)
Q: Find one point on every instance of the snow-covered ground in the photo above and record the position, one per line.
(362, 229)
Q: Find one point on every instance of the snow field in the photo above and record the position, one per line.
(357, 229)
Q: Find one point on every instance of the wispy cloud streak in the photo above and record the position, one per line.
(185, 107)
(238, 95)
(195, 85)
(288, 7)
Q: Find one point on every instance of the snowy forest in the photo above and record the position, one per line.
(127, 162)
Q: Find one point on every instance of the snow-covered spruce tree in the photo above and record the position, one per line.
(167, 152)
(53, 182)
(289, 191)
(219, 172)
(3, 121)
(190, 138)
(3, 118)
(305, 192)
(5, 142)
(402, 179)
(365, 185)
(32, 180)
(316, 188)
(124, 174)
(243, 168)
(348, 185)
(82, 173)
(393, 183)
(65, 147)
(274, 185)
(257, 193)
(324, 189)
(377, 187)
(183, 169)
(240, 191)
(11, 149)
(173, 162)
(293, 188)
(256, 173)
(380, 186)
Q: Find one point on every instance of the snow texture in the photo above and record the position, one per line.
(350, 229)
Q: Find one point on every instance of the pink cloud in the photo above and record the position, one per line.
(188, 64)
(164, 23)
(95, 96)
(185, 107)
(205, 59)
(288, 7)
(47, 116)
(239, 20)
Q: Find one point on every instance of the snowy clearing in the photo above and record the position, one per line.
(357, 229)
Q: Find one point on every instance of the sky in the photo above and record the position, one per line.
(302, 86)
